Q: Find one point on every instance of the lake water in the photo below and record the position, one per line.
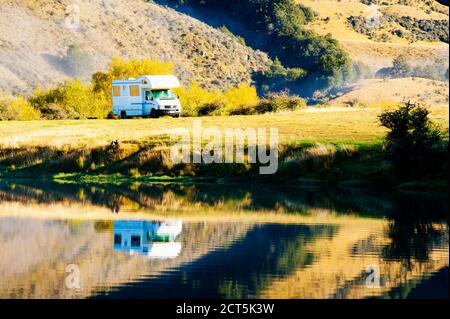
(219, 241)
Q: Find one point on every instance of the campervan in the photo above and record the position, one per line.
(146, 96)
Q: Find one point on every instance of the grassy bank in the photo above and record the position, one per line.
(320, 146)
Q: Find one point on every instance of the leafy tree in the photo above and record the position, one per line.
(17, 108)
(120, 69)
(81, 99)
(198, 101)
(411, 137)
(242, 96)
(278, 77)
(400, 66)
(288, 18)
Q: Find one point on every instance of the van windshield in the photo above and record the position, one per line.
(163, 94)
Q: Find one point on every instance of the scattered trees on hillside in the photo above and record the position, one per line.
(402, 68)
(281, 24)
(277, 77)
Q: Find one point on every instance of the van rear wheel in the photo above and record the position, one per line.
(123, 115)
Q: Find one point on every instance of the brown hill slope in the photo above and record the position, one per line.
(35, 37)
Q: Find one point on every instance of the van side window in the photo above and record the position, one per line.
(116, 90)
(135, 241)
(134, 90)
(117, 239)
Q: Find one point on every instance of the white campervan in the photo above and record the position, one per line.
(148, 95)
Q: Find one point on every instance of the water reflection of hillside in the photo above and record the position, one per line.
(222, 197)
(315, 244)
(292, 261)
(34, 254)
(241, 270)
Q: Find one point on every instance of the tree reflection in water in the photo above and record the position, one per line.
(415, 229)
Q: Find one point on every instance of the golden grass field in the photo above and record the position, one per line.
(319, 125)
(377, 92)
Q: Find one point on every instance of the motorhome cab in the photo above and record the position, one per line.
(148, 95)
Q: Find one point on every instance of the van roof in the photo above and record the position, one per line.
(154, 81)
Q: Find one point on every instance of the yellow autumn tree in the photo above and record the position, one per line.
(17, 108)
(121, 69)
(240, 99)
(82, 99)
(194, 98)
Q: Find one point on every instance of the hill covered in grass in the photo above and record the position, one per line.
(65, 39)
(219, 44)
(374, 32)
(333, 42)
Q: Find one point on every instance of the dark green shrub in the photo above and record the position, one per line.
(112, 116)
(265, 106)
(208, 109)
(412, 137)
(277, 77)
(241, 110)
(279, 102)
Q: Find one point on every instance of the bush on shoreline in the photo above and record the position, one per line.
(413, 141)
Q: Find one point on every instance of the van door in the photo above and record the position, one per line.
(150, 102)
(135, 99)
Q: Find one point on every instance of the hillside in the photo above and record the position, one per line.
(383, 38)
(37, 55)
(56, 246)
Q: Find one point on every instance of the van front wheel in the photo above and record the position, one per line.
(153, 113)
(123, 115)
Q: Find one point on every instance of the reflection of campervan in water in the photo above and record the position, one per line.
(148, 238)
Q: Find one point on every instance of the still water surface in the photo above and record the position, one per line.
(210, 241)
